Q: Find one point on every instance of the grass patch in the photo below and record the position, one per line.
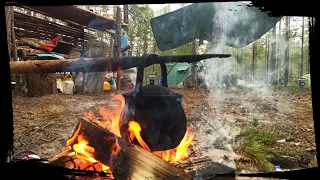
(192, 119)
(255, 122)
(292, 88)
(313, 163)
(257, 147)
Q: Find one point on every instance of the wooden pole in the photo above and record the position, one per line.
(118, 30)
(98, 64)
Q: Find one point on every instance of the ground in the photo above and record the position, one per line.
(229, 125)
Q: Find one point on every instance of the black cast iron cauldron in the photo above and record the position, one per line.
(157, 109)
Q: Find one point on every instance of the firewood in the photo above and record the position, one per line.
(131, 161)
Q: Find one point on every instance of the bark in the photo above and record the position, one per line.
(286, 68)
(98, 64)
(254, 60)
(279, 69)
(302, 40)
(126, 16)
(273, 61)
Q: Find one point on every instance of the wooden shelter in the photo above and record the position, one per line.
(77, 28)
(75, 32)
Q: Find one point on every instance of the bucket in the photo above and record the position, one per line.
(60, 85)
(106, 86)
(69, 87)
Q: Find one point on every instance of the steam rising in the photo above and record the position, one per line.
(218, 143)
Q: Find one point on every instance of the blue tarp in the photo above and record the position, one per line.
(50, 55)
(244, 25)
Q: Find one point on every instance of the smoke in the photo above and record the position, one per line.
(217, 144)
(216, 136)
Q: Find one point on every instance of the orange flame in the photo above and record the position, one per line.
(173, 155)
(85, 152)
(134, 131)
(115, 148)
(116, 116)
(111, 122)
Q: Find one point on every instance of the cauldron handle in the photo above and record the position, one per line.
(164, 74)
(140, 72)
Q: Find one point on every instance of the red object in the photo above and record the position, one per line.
(25, 155)
(50, 44)
(47, 45)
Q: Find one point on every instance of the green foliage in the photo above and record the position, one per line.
(255, 122)
(292, 88)
(257, 147)
(314, 162)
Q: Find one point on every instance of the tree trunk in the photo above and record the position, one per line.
(193, 65)
(279, 69)
(308, 63)
(110, 49)
(286, 68)
(290, 59)
(241, 64)
(254, 51)
(302, 40)
(93, 81)
(9, 16)
(273, 57)
(145, 43)
(126, 15)
(268, 59)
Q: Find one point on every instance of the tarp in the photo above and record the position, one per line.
(244, 25)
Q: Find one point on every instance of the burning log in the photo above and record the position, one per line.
(99, 64)
(125, 160)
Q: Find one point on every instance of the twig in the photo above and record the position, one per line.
(211, 126)
(42, 128)
(313, 145)
(48, 141)
(192, 153)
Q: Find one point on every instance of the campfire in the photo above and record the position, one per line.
(97, 141)
(145, 136)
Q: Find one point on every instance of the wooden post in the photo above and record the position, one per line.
(118, 30)
(12, 45)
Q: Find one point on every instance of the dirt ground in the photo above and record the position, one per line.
(44, 124)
